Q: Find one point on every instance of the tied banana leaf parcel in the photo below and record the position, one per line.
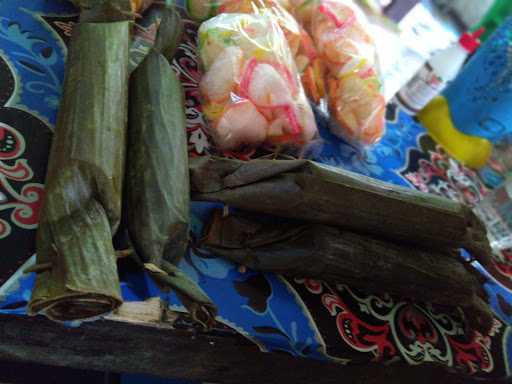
(306, 190)
(307, 250)
(76, 262)
(157, 196)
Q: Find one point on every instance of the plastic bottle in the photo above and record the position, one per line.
(495, 210)
(472, 151)
(433, 77)
(474, 112)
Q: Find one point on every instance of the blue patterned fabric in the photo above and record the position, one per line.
(35, 52)
(280, 314)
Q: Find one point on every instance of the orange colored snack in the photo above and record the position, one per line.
(347, 53)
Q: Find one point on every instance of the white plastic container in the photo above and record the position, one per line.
(433, 77)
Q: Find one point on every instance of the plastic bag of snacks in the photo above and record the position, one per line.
(201, 10)
(250, 86)
(347, 58)
(300, 43)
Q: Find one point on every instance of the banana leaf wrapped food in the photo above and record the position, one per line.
(157, 179)
(302, 249)
(76, 262)
(306, 190)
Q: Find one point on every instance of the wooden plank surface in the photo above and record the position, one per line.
(157, 344)
(29, 373)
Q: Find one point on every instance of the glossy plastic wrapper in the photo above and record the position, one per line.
(251, 90)
(346, 68)
(298, 39)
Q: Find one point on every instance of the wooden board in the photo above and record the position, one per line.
(155, 343)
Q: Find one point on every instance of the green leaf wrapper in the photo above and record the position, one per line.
(300, 249)
(305, 190)
(306, 250)
(107, 10)
(157, 182)
(82, 208)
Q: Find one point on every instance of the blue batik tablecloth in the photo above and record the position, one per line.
(305, 318)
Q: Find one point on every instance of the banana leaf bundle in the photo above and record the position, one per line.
(76, 262)
(301, 249)
(305, 190)
(157, 179)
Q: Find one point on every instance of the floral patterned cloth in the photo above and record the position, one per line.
(301, 317)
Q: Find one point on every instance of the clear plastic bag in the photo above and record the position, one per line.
(346, 67)
(300, 43)
(250, 87)
(201, 10)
